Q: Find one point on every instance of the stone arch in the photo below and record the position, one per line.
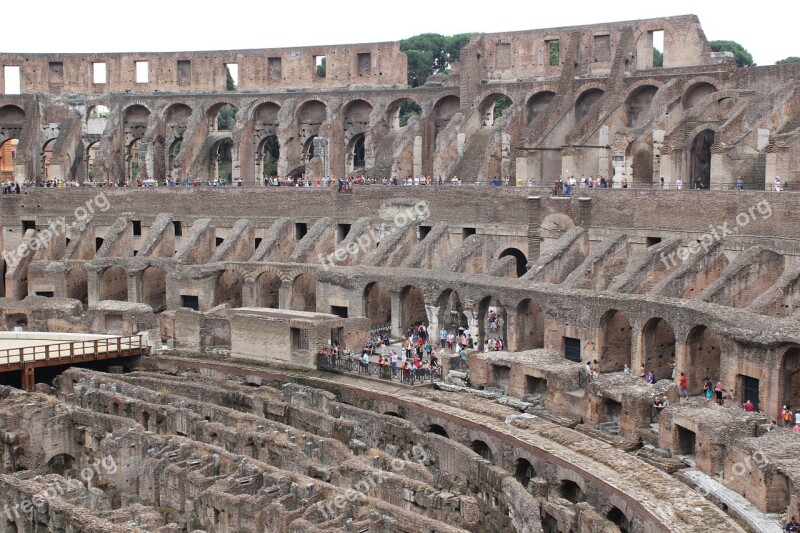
(400, 111)
(412, 307)
(377, 305)
(178, 112)
(91, 159)
(486, 305)
(638, 104)
(696, 92)
(481, 448)
(356, 115)
(615, 341)
(221, 160)
(659, 348)
(132, 160)
(221, 116)
(520, 260)
(524, 471)
(134, 122)
(268, 154)
(77, 284)
(451, 311)
(310, 116)
(47, 156)
(572, 491)
(356, 151)
(700, 158)
(704, 358)
(96, 119)
(114, 284)
(304, 293)
(642, 166)
(538, 105)
(443, 112)
(228, 288)
(61, 464)
(644, 45)
(153, 285)
(11, 115)
(585, 101)
(265, 135)
(790, 377)
(267, 287)
(619, 519)
(530, 325)
(488, 106)
(16, 320)
(436, 429)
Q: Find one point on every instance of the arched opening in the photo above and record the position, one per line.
(530, 324)
(492, 322)
(451, 312)
(114, 284)
(91, 160)
(615, 341)
(438, 430)
(639, 104)
(642, 168)
(482, 449)
(412, 307)
(695, 93)
(492, 108)
(154, 288)
(17, 322)
(659, 348)
(78, 284)
(538, 104)
(96, 120)
(269, 151)
(8, 153)
(571, 491)
(394, 414)
(443, 112)
(60, 464)
(704, 358)
(790, 378)
(268, 287)
(177, 120)
(378, 305)
(700, 165)
(308, 149)
(619, 519)
(585, 102)
(356, 153)
(134, 120)
(47, 156)
(229, 288)
(223, 117)
(524, 472)
(520, 260)
(304, 293)
(398, 113)
(310, 117)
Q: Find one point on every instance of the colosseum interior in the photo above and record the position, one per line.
(164, 365)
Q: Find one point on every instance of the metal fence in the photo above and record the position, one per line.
(410, 376)
(72, 351)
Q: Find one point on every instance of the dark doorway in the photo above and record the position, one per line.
(701, 159)
(749, 388)
(686, 440)
(572, 349)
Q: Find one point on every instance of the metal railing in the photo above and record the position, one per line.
(410, 376)
(66, 352)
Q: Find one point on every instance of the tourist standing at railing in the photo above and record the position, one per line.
(739, 184)
(679, 183)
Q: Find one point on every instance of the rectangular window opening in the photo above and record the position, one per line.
(46, 294)
(231, 76)
(534, 385)
(184, 71)
(466, 232)
(339, 311)
(274, 68)
(178, 228)
(554, 51)
(55, 72)
(218, 241)
(342, 230)
(142, 72)
(572, 349)
(258, 243)
(423, 232)
(300, 230)
(364, 64)
(658, 48)
(320, 66)
(602, 48)
(192, 302)
(652, 241)
(299, 339)
(13, 80)
(137, 228)
(98, 243)
(99, 73)
(28, 224)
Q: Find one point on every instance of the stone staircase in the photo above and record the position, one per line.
(474, 156)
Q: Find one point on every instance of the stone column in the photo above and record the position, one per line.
(285, 294)
(472, 324)
(523, 174)
(397, 319)
(93, 283)
(776, 165)
(602, 160)
(512, 339)
(568, 165)
(721, 178)
(417, 155)
(249, 298)
(433, 321)
(135, 285)
(658, 142)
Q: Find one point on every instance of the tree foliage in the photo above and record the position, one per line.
(787, 60)
(740, 53)
(407, 109)
(500, 105)
(229, 83)
(429, 53)
(658, 58)
(226, 117)
(322, 68)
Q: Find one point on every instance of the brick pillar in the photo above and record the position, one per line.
(249, 293)
(285, 294)
(512, 329)
(397, 328)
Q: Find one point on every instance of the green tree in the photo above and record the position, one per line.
(429, 53)
(500, 105)
(322, 68)
(226, 118)
(787, 60)
(740, 53)
(407, 109)
(229, 83)
(658, 58)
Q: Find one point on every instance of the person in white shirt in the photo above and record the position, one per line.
(679, 184)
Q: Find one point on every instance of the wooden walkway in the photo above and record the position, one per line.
(28, 358)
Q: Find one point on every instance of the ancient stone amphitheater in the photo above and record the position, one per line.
(206, 405)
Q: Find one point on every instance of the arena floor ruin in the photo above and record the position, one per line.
(206, 406)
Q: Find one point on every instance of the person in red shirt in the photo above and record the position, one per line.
(684, 385)
(748, 406)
